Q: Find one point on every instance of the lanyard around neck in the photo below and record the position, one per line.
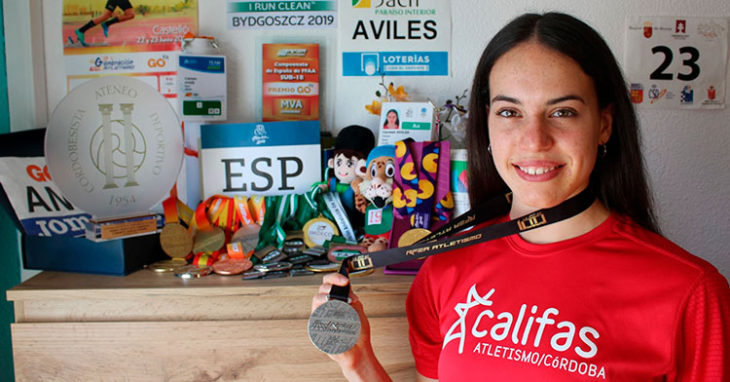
(441, 240)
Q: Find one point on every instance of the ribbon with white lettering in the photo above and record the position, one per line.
(321, 333)
(332, 200)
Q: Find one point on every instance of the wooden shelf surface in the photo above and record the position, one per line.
(151, 326)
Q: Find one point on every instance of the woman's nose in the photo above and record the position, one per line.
(536, 134)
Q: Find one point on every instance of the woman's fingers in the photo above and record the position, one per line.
(328, 281)
(335, 278)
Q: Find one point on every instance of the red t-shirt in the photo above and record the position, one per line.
(618, 303)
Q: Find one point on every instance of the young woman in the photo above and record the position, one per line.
(598, 296)
(392, 122)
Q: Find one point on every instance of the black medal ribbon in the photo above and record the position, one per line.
(341, 293)
(428, 247)
(324, 332)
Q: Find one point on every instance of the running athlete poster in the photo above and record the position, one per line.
(138, 38)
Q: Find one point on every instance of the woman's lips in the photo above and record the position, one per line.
(537, 173)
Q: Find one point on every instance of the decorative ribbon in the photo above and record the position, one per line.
(188, 151)
(257, 207)
(289, 213)
(427, 173)
(339, 216)
(405, 180)
(170, 207)
(415, 182)
(217, 210)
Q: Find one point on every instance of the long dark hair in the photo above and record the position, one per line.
(618, 178)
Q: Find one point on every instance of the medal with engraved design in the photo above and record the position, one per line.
(319, 230)
(114, 147)
(334, 327)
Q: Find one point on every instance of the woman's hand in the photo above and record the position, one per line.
(358, 363)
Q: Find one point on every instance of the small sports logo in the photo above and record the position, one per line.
(259, 135)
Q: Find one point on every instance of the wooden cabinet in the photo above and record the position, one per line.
(156, 327)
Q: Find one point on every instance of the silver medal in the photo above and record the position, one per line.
(334, 327)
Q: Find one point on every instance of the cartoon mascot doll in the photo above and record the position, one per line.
(374, 196)
(352, 146)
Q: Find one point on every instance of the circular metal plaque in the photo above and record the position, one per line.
(334, 327)
(114, 146)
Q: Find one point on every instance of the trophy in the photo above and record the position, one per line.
(114, 147)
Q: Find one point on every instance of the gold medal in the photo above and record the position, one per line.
(323, 267)
(412, 236)
(209, 240)
(165, 266)
(175, 240)
(362, 273)
(319, 230)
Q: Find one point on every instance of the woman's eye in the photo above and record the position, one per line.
(561, 113)
(507, 113)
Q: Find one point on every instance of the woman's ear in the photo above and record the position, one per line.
(606, 124)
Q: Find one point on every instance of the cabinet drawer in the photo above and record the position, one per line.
(255, 350)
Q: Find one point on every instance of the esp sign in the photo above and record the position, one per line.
(270, 158)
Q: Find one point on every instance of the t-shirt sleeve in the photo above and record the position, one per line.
(704, 349)
(423, 324)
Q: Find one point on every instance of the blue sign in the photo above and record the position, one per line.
(395, 63)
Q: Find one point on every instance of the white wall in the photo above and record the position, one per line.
(686, 151)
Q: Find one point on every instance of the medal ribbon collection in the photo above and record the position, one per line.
(260, 231)
(212, 225)
(316, 218)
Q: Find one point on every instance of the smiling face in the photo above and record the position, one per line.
(545, 125)
(344, 168)
(392, 117)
